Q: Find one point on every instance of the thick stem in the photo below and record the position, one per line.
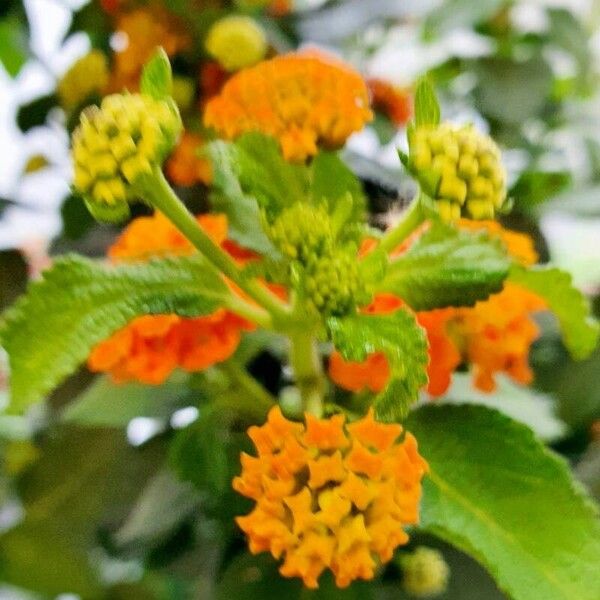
(308, 372)
(411, 219)
(159, 193)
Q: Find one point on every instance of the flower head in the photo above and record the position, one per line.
(125, 138)
(330, 495)
(303, 100)
(86, 77)
(460, 169)
(236, 42)
(150, 347)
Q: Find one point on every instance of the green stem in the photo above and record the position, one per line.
(308, 372)
(237, 374)
(158, 192)
(411, 219)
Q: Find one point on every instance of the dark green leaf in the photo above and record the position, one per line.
(448, 267)
(404, 343)
(79, 303)
(503, 498)
(535, 187)
(76, 218)
(579, 329)
(156, 80)
(427, 108)
(33, 114)
(13, 275)
(13, 44)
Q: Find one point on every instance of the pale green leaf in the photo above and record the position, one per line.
(80, 302)
(156, 79)
(448, 267)
(427, 108)
(404, 343)
(579, 329)
(498, 494)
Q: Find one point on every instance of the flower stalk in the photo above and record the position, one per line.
(411, 219)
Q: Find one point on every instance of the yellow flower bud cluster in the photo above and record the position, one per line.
(425, 573)
(86, 77)
(333, 284)
(126, 137)
(236, 42)
(302, 231)
(460, 168)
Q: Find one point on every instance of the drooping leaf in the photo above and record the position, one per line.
(448, 267)
(579, 329)
(403, 342)
(79, 302)
(506, 500)
(427, 108)
(156, 80)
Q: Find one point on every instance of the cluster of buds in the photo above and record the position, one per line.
(460, 169)
(126, 137)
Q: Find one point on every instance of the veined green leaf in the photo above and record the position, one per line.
(156, 80)
(579, 329)
(80, 302)
(448, 267)
(404, 343)
(497, 493)
(427, 108)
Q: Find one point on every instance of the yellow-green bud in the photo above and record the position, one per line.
(236, 42)
(460, 168)
(333, 285)
(301, 232)
(126, 137)
(86, 77)
(424, 572)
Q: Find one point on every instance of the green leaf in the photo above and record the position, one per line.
(498, 494)
(579, 329)
(107, 404)
(79, 302)
(448, 267)
(34, 113)
(405, 345)
(458, 14)
(156, 80)
(427, 108)
(14, 49)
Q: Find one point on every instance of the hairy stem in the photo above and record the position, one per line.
(308, 372)
(158, 191)
(413, 216)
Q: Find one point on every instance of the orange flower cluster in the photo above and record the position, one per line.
(150, 347)
(141, 31)
(330, 495)
(301, 99)
(184, 166)
(394, 102)
(494, 336)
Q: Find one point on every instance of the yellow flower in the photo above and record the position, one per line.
(126, 137)
(460, 168)
(424, 572)
(330, 495)
(236, 42)
(301, 99)
(86, 77)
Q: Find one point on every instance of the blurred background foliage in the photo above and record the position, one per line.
(119, 492)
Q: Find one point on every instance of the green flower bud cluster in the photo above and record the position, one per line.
(460, 169)
(333, 285)
(425, 573)
(302, 231)
(127, 136)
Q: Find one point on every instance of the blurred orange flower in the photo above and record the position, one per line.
(302, 99)
(150, 347)
(494, 336)
(184, 166)
(394, 102)
(330, 495)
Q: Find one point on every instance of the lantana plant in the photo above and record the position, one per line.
(355, 456)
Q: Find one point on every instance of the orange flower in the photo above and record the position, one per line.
(141, 31)
(150, 347)
(212, 79)
(301, 99)
(184, 166)
(395, 102)
(330, 495)
(494, 336)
